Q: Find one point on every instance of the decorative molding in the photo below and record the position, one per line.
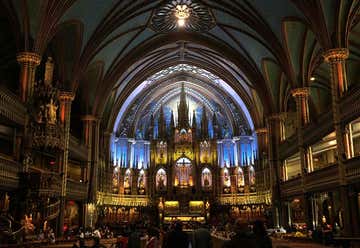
(336, 55)
(122, 200)
(300, 92)
(66, 96)
(9, 173)
(28, 57)
(11, 107)
(244, 199)
(260, 131)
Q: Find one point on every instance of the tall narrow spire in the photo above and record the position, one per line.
(162, 124)
(204, 124)
(172, 124)
(151, 127)
(194, 124)
(183, 110)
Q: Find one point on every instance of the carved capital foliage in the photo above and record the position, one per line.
(66, 96)
(261, 131)
(300, 92)
(336, 55)
(28, 57)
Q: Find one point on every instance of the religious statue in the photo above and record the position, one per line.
(206, 180)
(126, 182)
(40, 116)
(51, 112)
(240, 180)
(141, 182)
(161, 181)
(226, 179)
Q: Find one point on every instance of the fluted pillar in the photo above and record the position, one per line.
(28, 62)
(274, 125)
(91, 127)
(108, 164)
(65, 99)
(91, 139)
(336, 59)
(301, 96)
(263, 146)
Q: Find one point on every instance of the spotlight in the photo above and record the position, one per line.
(312, 79)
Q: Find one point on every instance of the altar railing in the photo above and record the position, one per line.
(122, 200)
(246, 198)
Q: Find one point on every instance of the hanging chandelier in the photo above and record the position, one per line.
(184, 15)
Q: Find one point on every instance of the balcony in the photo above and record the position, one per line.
(11, 107)
(352, 170)
(76, 190)
(349, 105)
(77, 149)
(289, 146)
(9, 173)
(291, 187)
(324, 178)
(44, 183)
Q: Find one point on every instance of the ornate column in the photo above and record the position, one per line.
(301, 96)
(108, 164)
(336, 59)
(28, 62)
(263, 146)
(274, 125)
(88, 136)
(65, 99)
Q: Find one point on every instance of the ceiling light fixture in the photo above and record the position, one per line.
(182, 12)
(189, 15)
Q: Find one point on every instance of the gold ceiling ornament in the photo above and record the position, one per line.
(187, 15)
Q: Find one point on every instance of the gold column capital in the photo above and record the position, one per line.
(260, 131)
(88, 118)
(66, 96)
(276, 117)
(28, 57)
(336, 55)
(300, 92)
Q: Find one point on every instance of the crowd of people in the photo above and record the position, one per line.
(174, 236)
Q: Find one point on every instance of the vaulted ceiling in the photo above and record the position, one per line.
(104, 49)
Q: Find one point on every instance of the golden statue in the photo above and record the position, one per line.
(51, 112)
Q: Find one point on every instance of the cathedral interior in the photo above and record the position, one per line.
(186, 110)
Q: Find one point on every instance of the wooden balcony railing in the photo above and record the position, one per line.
(350, 105)
(11, 107)
(77, 149)
(352, 169)
(76, 190)
(324, 178)
(291, 187)
(9, 172)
